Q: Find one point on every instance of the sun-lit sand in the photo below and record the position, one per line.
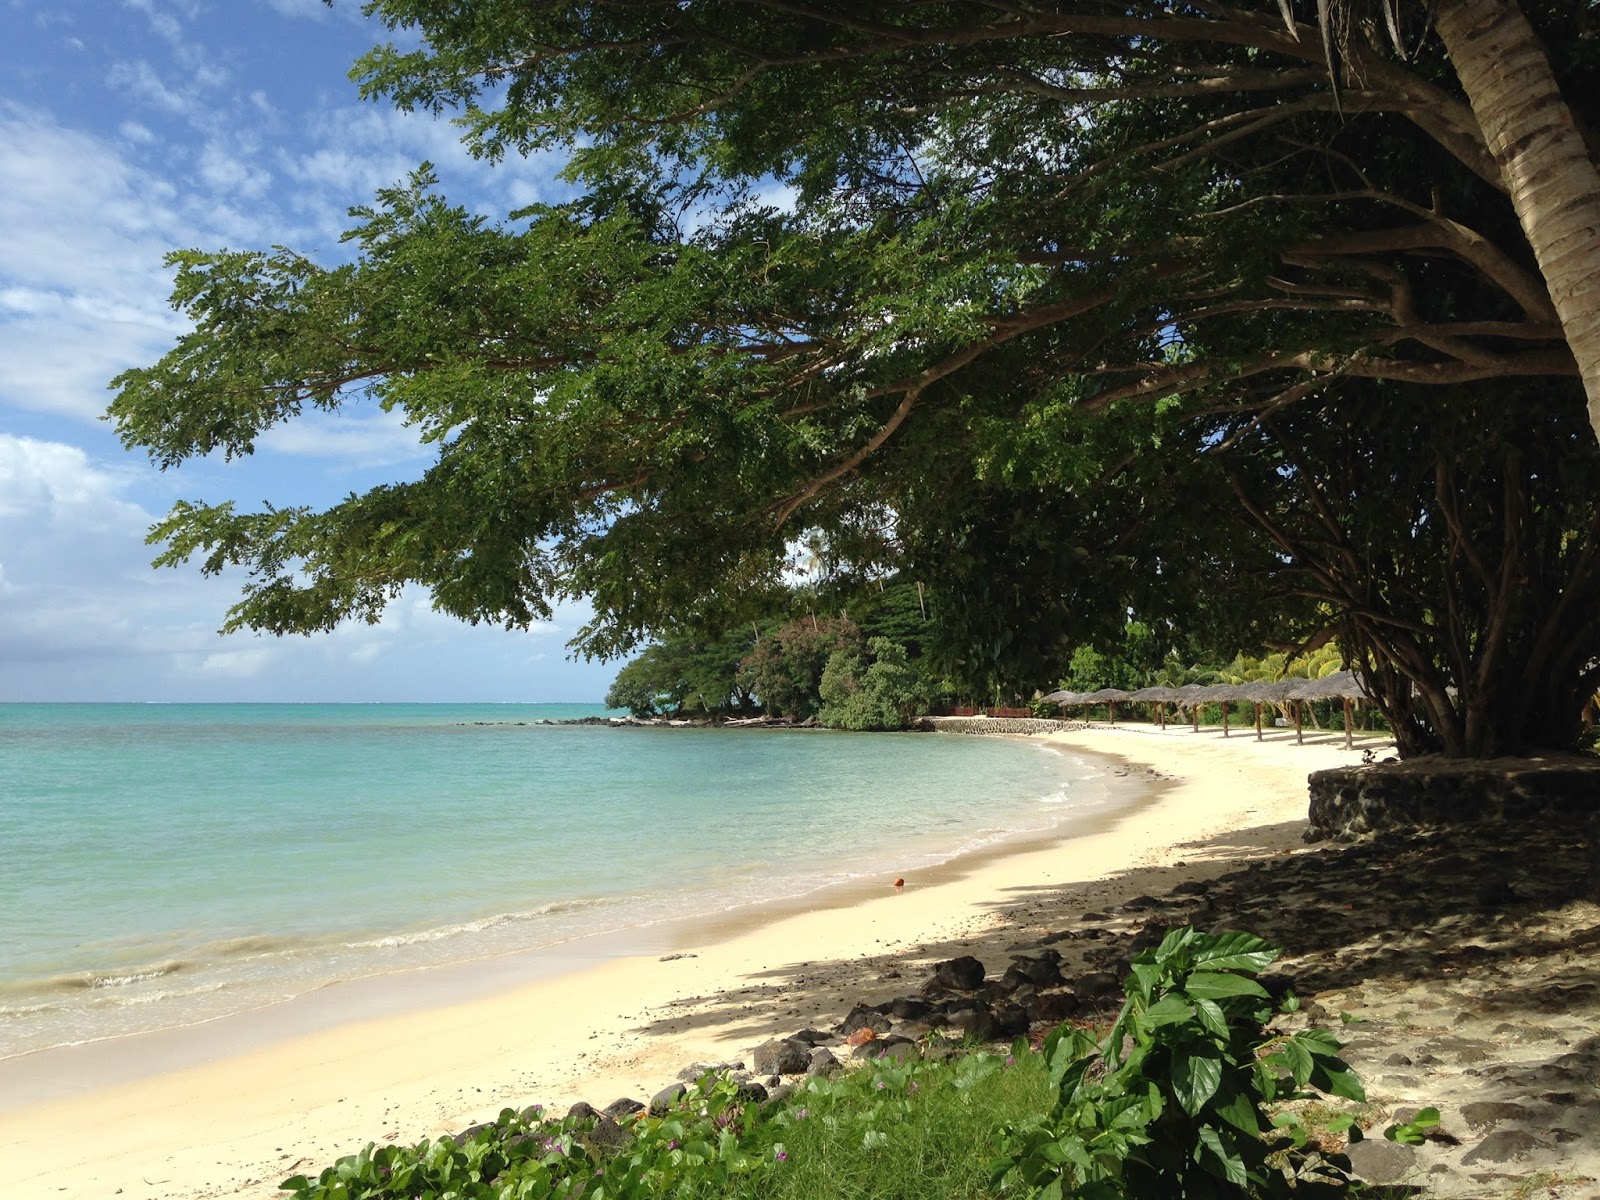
(235, 1106)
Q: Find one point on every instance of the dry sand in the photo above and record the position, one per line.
(233, 1107)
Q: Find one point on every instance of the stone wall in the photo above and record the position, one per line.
(1348, 802)
(994, 725)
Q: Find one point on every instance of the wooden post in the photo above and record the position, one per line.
(1349, 742)
(1225, 707)
(1161, 713)
(1258, 720)
(1299, 728)
(1112, 709)
(1194, 710)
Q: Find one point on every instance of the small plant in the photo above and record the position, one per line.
(1415, 1131)
(1169, 1103)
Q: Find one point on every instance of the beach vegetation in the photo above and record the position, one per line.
(1189, 1091)
(1179, 1096)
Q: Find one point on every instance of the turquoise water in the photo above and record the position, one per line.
(162, 864)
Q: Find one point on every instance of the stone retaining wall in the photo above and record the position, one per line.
(1348, 802)
(994, 725)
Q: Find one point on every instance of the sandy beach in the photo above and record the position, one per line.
(233, 1107)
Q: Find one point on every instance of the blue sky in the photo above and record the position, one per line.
(129, 128)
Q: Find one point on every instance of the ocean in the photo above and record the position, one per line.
(162, 865)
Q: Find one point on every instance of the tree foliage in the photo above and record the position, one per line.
(1036, 268)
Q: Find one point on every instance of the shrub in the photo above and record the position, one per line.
(1169, 1104)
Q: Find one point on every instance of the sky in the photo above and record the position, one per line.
(129, 128)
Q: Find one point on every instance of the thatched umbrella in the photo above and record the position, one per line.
(1192, 696)
(1158, 698)
(1108, 697)
(1267, 692)
(1340, 685)
(1224, 694)
(1062, 698)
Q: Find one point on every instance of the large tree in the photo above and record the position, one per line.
(999, 219)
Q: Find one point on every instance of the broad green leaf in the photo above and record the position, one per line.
(1235, 952)
(1299, 1061)
(1237, 1109)
(1195, 1079)
(1209, 985)
(1211, 1016)
(1232, 1166)
(1169, 1010)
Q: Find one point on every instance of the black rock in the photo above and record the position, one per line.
(784, 1057)
(666, 1098)
(908, 1008)
(862, 1017)
(823, 1062)
(897, 1048)
(1051, 1008)
(975, 1022)
(625, 1107)
(1097, 985)
(1042, 972)
(607, 1137)
(1010, 1020)
(812, 1037)
(751, 1093)
(965, 973)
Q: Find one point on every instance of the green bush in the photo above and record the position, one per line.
(1170, 1103)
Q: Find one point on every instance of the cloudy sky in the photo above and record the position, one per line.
(129, 128)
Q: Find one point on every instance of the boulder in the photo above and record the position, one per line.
(965, 973)
(666, 1098)
(1379, 1161)
(1098, 985)
(782, 1057)
(1051, 1008)
(897, 1048)
(1502, 1145)
(624, 1107)
(862, 1017)
(823, 1062)
(976, 1022)
(909, 1008)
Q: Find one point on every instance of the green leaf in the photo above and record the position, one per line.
(1232, 1166)
(1208, 985)
(1169, 1010)
(1211, 1016)
(1195, 1079)
(1299, 1061)
(1237, 1109)
(1235, 952)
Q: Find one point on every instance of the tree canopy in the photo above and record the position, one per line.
(923, 278)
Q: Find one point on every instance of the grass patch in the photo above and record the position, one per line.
(927, 1132)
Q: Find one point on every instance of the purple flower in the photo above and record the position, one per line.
(800, 1114)
(673, 1144)
(912, 1086)
(880, 1085)
(781, 1156)
(1011, 1060)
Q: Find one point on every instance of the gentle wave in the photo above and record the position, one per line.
(461, 928)
(112, 977)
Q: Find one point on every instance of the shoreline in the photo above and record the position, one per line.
(623, 1025)
(34, 1076)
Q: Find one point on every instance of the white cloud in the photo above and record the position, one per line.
(377, 440)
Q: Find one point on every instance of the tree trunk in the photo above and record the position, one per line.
(1554, 185)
